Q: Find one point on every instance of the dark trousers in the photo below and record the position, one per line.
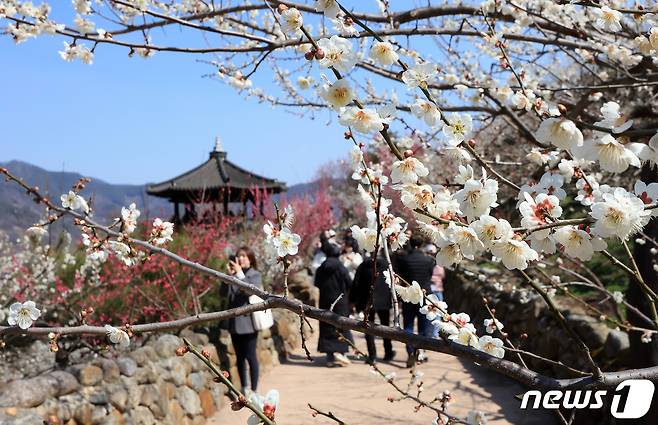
(411, 312)
(384, 320)
(245, 352)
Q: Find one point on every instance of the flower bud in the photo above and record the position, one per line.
(205, 353)
(562, 108)
(319, 54)
(408, 153)
(180, 351)
(282, 8)
(471, 143)
(309, 55)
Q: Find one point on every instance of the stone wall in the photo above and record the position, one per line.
(142, 386)
(149, 385)
(522, 312)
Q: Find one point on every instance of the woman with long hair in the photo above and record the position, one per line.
(243, 334)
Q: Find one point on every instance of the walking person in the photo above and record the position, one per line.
(415, 266)
(438, 274)
(243, 334)
(333, 280)
(350, 257)
(381, 301)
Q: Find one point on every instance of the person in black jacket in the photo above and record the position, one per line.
(333, 280)
(243, 334)
(381, 301)
(415, 265)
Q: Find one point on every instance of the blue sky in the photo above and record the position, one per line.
(130, 120)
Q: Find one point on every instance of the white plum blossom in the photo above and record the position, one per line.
(344, 27)
(420, 75)
(356, 156)
(492, 346)
(74, 202)
(607, 19)
(411, 294)
(291, 21)
(338, 94)
(129, 218)
(364, 120)
(365, 237)
(117, 336)
(514, 253)
(536, 156)
(620, 214)
(338, 53)
(457, 154)
(464, 174)
(239, 81)
(304, 82)
(578, 243)
(646, 152)
(330, 8)
(162, 232)
(449, 252)
(521, 100)
(426, 111)
(23, 314)
(36, 232)
(561, 133)
(268, 404)
(83, 7)
(613, 118)
(477, 198)
(433, 308)
(466, 336)
(612, 155)
(366, 175)
(489, 229)
(383, 53)
(541, 210)
(648, 193)
(286, 242)
(416, 196)
(551, 184)
(466, 238)
(408, 170)
(123, 252)
(77, 51)
(490, 325)
(459, 129)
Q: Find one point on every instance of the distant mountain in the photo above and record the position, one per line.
(18, 211)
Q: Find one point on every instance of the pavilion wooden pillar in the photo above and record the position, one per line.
(176, 213)
(225, 201)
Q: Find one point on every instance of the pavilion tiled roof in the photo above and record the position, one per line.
(215, 175)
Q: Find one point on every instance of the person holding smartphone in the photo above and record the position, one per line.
(244, 336)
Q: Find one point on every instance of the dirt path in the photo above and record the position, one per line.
(357, 396)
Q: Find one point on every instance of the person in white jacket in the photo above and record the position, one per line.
(350, 257)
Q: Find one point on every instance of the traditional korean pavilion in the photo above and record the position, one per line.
(216, 181)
